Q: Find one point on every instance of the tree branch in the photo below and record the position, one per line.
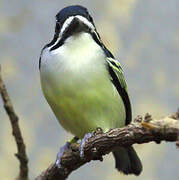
(21, 152)
(140, 131)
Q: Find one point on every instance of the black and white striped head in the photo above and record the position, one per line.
(70, 21)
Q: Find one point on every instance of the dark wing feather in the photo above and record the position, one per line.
(117, 78)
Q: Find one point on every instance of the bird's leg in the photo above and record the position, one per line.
(86, 137)
(83, 141)
(64, 149)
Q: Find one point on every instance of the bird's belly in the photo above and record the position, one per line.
(82, 103)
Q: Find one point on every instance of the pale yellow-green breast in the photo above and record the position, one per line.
(78, 88)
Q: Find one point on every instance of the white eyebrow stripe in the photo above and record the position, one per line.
(66, 24)
(81, 18)
(85, 21)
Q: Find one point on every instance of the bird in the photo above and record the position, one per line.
(84, 84)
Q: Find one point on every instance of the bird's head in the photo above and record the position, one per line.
(72, 20)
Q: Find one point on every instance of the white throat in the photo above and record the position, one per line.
(78, 53)
(79, 48)
(78, 43)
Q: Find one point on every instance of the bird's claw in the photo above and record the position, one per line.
(98, 131)
(60, 154)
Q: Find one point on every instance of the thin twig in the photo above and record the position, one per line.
(140, 131)
(21, 150)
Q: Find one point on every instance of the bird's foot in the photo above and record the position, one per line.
(63, 149)
(82, 144)
(86, 137)
(60, 154)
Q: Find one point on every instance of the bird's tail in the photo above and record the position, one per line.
(127, 161)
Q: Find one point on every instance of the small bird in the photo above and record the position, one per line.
(84, 84)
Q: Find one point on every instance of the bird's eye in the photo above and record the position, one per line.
(58, 27)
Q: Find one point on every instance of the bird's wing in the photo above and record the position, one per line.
(117, 78)
(116, 67)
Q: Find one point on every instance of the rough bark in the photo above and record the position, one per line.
(139, 132)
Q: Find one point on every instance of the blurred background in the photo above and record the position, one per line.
(144, 35)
